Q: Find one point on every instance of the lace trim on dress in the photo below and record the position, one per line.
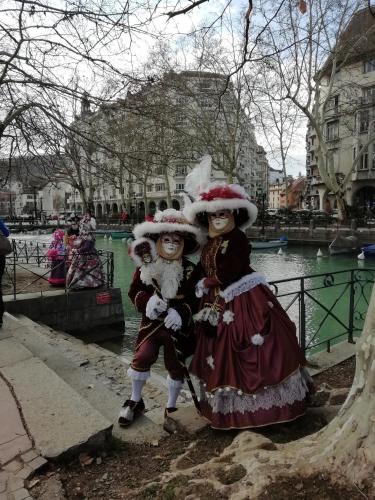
(244, 284)
(229, 400)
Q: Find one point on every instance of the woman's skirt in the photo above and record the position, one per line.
(251, 369)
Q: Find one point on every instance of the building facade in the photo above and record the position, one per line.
(168, 126)
(347, 108)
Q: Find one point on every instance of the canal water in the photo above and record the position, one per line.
(324, 293)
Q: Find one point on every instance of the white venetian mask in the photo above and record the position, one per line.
(171, 243)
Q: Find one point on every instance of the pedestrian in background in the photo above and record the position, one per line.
(5, 232)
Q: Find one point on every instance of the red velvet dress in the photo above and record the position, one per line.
(250, 363)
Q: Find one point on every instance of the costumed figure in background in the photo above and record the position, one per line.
(56, 257)
(247, 357)
(160, 292)
(70, 236)
(86, 270)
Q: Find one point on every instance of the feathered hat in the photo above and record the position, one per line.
(171, 221)
(214, 196)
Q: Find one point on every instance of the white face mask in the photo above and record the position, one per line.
(170, 244)
(220, 223)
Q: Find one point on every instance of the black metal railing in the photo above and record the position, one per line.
(28, 268)
(326, 307)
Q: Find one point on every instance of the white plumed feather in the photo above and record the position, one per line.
(199, 177)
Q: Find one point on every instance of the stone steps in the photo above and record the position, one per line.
(59, 420)
(96, 375)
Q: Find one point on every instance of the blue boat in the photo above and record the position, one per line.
(368, 251)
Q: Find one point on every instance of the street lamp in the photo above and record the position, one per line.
(261, 203)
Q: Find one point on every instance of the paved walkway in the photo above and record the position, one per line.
(18, 458)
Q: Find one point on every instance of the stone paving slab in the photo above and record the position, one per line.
(11, 352)
(58, 418)
(323, 360)
(188, 420)
(13, 437)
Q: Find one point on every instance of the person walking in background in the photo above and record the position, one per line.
(5, 232)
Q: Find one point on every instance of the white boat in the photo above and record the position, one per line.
(259, 244)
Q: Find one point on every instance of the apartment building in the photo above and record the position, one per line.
(348, 119)
(169, 125)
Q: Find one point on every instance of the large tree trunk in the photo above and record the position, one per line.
(344, 449)
(342, 208)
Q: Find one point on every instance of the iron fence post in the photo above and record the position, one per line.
(37, 254)
(14, 278)
(351, 308)
(302, 315)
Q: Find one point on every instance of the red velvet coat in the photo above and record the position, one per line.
(185, 303)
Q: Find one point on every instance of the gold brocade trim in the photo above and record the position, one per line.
(148, 336)
(135, 299)
(149, 324)
(208, 257)
(190, 312)
(138, 369)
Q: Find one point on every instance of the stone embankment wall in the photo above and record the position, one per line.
(78, 310)
(310, 236)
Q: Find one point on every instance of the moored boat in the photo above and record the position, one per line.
(368, 251)
(343, 244)
(119, 235)
(264, 244)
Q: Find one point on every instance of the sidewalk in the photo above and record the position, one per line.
(18, 458)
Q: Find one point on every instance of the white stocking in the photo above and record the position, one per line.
(174, 389)
(138, 381)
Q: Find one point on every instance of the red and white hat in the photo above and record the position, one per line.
(214, 196)
(171, 221)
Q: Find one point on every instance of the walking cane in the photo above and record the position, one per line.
(187, 377)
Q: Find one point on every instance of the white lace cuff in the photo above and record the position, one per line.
(200, 289)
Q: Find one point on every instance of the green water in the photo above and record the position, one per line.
(294, 262)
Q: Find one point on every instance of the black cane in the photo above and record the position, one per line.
(187, 376)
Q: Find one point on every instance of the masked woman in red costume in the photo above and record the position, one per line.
(247, 358)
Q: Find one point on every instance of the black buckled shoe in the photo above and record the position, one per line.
(169, 423)
(130, 411)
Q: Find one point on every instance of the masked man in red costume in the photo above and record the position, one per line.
(160, 292)
(247, 357)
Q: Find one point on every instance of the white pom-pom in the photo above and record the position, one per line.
(239, 393)
(227, 389)
(257, 339)
(254, 396)
(220, 389)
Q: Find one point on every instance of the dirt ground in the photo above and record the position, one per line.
(119, 471)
